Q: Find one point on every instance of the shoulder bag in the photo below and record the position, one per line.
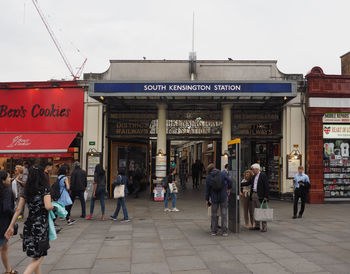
(263, 214)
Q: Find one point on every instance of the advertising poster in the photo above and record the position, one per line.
(159, 194)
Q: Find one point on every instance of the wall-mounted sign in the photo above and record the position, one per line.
(92, 160)
(293, 162)
(191, 88)
(336, 131)
(42, 110)
(160, 166)
(92, 143)
(253, 128)
(336, 118)
(195, 127)
(129, 127)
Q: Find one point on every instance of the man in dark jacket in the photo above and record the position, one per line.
(259, 193)
(217, 197)
(78, 185)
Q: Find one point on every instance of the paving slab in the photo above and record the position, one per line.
(267, 268)
(298, 265)
(150, 268)
(72, 261)
(228, 267)
(148, 255)
(111, 266)
(177, 263)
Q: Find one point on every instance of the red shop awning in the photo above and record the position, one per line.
(35, 143)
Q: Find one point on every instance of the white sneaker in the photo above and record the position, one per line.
(167, 210)
(175, 210)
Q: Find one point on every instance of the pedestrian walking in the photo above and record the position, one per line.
(48, 171)
(302, 185)
(98, 192)
(195, 174)
(247, 204)
(36, 227)
(217, 185)
(259, 193)
(170, 179)
(64, 191)
(121, 180)
(183, 174)
(78, 183)
(7, 208)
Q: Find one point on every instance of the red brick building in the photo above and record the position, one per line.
(328, 136)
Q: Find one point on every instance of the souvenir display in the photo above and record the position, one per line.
(336, 169)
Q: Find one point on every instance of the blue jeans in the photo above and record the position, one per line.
(121, 203)
(173, 195)
(100, 195)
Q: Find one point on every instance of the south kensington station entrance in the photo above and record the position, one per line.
(190, 121)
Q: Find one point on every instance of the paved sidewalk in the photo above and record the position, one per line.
(158, 242)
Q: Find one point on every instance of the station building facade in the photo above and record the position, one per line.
(189, 110)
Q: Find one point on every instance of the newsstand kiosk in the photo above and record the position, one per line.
(234, 162)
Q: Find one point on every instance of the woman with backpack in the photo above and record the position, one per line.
(98, 191)
(36, 227)
(65, 198)
(7, 209)
(121, 180)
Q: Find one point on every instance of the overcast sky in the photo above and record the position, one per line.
(299, 34)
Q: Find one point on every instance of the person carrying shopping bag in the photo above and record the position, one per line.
(170, 182)
(120, 191)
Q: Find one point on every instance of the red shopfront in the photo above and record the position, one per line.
(40, 122)
(328, 136)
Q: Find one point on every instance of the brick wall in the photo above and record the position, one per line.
(321, 85)
(345, 64)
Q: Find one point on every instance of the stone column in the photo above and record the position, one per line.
(226, 132)
(161, 134)
(161, 141)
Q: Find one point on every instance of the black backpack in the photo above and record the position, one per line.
(55, 190)
(216, 182)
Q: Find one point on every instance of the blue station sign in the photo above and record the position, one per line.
(193, 88)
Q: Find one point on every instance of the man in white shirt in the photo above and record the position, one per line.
(302, 184)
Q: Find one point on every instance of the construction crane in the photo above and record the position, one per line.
(58, 46)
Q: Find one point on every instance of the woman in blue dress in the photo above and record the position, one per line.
(65, 198)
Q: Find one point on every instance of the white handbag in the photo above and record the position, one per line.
(173, 187)
(263, 214)
(119, 191)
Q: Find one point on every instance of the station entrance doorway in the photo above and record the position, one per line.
(192, 136)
